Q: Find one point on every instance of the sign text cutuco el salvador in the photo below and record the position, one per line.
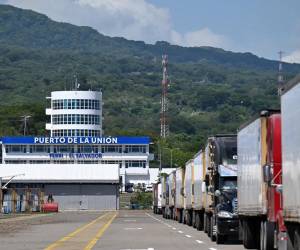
(75, 155)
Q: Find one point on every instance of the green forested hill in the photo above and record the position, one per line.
(211, 90)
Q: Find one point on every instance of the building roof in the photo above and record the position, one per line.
(60, 173)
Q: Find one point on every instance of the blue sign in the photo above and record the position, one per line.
(75, 140)
(75, 155)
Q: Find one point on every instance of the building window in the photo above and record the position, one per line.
(39, 149)
(76, 104)
(39, 162)
(113, 162)
(76, 119)
(15, 161)
(63, 149)
(88, 162)
(111, 149)
(135, 164)
(15, 149)
(64, 162)
(87, 149)
(75, 132)
(135, 149)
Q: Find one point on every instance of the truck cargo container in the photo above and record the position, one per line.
(188, 192)
(259, 174)
(157, 198)
(220, 217)
(179, 194)
(198, 190)
(170, 207)
(165, 193)
(290, 107)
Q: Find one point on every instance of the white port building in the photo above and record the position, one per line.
(76, 147)
(75, 113)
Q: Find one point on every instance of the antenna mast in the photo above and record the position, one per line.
(280, 74)
(164, 126)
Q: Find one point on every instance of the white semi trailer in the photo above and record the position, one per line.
(290, 115)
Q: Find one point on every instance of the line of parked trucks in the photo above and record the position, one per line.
(244, 186)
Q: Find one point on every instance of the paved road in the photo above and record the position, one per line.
(122, 230)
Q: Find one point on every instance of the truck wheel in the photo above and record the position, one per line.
(189, 218)
(249, 239)
(201, 221)
(297, 240)
(220, 239)
(262, 236)
(212, 227)
(197, 221)
(267, 235)
(194, 219)
(208, 225)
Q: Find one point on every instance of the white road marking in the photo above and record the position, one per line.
(133, 228)
(188, 236)
(180, 232)
(138, 249)
(174, 228)
(199, 241)
(211, 248)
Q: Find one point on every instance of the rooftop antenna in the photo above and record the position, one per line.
(24, 120)
(76, 83)
(164, 126)
(280, 74)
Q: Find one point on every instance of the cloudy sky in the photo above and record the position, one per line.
(262, 27)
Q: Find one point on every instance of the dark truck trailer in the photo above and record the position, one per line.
(220, 217)
(259, 175)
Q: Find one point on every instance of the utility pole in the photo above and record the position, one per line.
(24, 120)
(280, 74)
(164, 126)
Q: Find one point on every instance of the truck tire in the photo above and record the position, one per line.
(180, 216)
(201, 222)
(208, 225)
(212, 226)
(220, 239)
(249, 235)
(297, 239)
(189, 218)
(267, 235)
(204, 223)
(194, 219)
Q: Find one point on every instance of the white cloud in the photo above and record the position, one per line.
(202, 37)
(132, 19)
(294, 57)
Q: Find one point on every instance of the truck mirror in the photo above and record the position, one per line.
(182, 191)
(267, 172)
(279, 189)
(217, 193)
(206, 180)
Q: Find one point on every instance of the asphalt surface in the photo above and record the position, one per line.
(121, 230)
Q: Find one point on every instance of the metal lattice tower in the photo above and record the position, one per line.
(164, 126)
(280, 74)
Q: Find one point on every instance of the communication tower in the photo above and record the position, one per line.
(280, 74)
(164, 126)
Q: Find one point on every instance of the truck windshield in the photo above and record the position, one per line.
(228, 183)
(230, 155)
